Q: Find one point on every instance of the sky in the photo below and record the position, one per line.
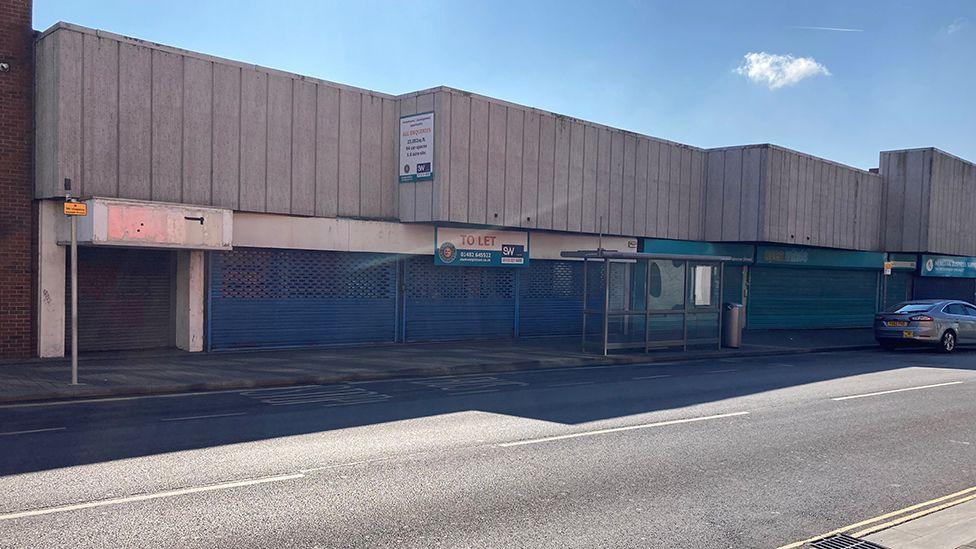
(837, 79)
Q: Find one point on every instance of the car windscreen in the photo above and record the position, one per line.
(910, 308)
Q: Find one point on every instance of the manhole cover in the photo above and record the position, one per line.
(843, 541)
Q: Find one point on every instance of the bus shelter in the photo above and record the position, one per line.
(634, 300)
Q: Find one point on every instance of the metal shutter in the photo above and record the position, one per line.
(125, 299)
(898, 288)
(811, 298)
(288, 298)
(551, 298)
(457, 302)
(932, 287)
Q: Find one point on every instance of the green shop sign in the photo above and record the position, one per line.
(740, 253)
(818, 257)
(948, 266)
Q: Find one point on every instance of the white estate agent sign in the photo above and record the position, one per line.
(480, 248)
(417, 147)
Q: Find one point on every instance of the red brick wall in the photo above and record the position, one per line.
(16, 213)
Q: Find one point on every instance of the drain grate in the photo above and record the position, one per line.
(843, 541)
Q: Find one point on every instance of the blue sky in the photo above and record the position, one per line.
(903, 75)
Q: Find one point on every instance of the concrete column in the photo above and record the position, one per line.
(189, 300)
(50, 279)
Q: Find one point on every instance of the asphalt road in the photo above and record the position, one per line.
(730, 453)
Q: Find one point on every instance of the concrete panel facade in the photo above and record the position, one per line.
(765, 193)
(503, 164)
(124, 118)
(928, 203)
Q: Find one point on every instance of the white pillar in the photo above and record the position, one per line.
(189, 300)
(50, 279)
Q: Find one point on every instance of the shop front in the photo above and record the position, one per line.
(946, 277)
(806, 288)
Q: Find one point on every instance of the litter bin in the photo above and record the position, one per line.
(732, 325)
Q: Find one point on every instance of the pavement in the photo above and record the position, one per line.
(172, 371)
(950, 528)
(733, 451)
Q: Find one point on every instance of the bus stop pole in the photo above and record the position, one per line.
(74, 300)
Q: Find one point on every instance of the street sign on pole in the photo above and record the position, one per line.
(73, 210)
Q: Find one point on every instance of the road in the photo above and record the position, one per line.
(749, 452)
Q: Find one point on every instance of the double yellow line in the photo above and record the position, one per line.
(894, 518)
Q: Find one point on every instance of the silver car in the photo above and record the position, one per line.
(944, 323)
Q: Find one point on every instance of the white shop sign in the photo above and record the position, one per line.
(417, 147)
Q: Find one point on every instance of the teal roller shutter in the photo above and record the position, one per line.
(898, 288)
(551, 298)
(262, 298)
(783, 297)
(441, 303)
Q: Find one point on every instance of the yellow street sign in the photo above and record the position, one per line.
(75, 208)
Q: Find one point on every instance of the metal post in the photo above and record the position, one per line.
(647, 305)
(684, 311)
(74, 300)
(606, 304)
(721, 295)
(583, 338)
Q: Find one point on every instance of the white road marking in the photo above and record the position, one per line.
(145, 497)
(12, 433)
(619, 429)
(185, 418)
(453, 393)
(114, 399)
(570, 383)
(463, 385)
(898, 390)
(720, 371)
(326, 395)
(659, 376)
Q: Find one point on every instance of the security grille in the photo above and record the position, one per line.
(550, 298)
(284, 298)
(457, 302)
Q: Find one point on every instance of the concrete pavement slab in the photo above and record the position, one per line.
(950, 528)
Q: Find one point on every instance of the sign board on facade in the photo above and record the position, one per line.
(818, 257)
(417, 147)
(75, 208)
(481, 248)
(740, 253)
(948, 266)
(888, 265)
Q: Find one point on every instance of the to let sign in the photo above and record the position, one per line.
(417, 147)
(75, 208)
(481, 248)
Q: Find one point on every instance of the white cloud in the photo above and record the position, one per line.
(776, 71)
(957, 25)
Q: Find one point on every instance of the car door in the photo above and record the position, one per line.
(957, 315)
(970, 323)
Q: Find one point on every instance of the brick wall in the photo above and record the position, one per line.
(16, 205)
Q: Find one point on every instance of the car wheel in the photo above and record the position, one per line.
(948, 342)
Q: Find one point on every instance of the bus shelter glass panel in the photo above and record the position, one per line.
(652, 303)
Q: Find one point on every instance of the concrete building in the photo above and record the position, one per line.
(234, 206)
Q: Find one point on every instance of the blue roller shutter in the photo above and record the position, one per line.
(551, 298)
(262, 298)
(783, 297)
(898, 288)
(457, 302)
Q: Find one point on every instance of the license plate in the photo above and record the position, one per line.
(896, 323)
(907, 334)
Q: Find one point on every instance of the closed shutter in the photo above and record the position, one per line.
(125, 299)
(289, 298)
(442, 303)
(933, 287)
(811, 298)
(551, 298)
(898, 288)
